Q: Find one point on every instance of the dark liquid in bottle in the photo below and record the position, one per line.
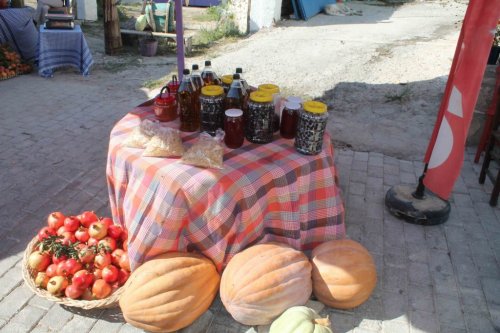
(210, 78)
(288, 126)
(236, 98)
(189, 108)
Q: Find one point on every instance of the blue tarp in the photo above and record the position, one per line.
(305, 9)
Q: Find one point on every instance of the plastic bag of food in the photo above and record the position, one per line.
(141, 135)
(166, 143)
(208, 152)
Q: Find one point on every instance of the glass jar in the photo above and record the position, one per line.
(311, 128)
(259, 120)
(165, 106)
(226, 82)
(211, 109)
(289, 119)
(233, 126)
(274, 90)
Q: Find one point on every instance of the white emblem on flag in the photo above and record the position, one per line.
(455, 104)
(443, 145)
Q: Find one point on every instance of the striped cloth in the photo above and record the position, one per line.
(61, 48)
(18, 30)
(264, 193)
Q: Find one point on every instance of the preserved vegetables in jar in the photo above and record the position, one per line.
(259, 119)
(236, 97)
(311, 128)
(274, 90)
(189, 112)
(208, 75)
(289, 119)
(234, 128)
(212, 109)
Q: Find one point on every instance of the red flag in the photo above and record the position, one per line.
(446, 148)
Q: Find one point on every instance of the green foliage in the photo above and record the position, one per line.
(225, 26)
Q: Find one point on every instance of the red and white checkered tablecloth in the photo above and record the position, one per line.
(264, 193)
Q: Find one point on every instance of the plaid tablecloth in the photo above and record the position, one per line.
(61, 48)
(18, 30)
(264, 193)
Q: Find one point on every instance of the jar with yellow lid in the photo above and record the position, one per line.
(226, 82)
(311, 128)
(274, 90)
(211, 109)
(259, 120)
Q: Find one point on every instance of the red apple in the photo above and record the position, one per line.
(102, 260)
(56, 260)
(108, 243)
(116, 255)
(82, 234)
(115, 231)
(56, 220)
(92, 241)
(110, 274)
(46, 232)
(82, 279)
(98, 230)
(101, 289)
(107, 221)
(86, 255)
(41, 280)
(73, 291)
(68, 238)
(123, 276)
(125, 262)
(56, 285)
(39, 261)
(86, 218)
(71, 223)
(51, 270)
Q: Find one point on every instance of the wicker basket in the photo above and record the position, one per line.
(109, 302)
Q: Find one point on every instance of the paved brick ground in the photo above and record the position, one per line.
(54, 137)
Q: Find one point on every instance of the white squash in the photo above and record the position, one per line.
(300, 319)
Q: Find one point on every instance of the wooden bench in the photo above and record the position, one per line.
(188, 38)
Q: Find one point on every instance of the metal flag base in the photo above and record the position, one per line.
(403, 202)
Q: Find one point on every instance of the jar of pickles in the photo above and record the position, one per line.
(311, 128)
(259, 119)
(212, 108)
(274, 90)
(226, 82)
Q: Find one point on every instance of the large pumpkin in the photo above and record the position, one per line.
(169, 292)
(344, 274)
(300, 319)
(264, 280)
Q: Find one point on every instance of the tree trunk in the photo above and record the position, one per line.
(112, 35)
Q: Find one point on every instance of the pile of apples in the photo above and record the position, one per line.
(80, 257)
(11, 63)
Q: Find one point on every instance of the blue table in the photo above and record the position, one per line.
(62, 48)
(17, 30)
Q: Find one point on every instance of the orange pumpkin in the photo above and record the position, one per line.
(344, 274)
(264, 280)
(169, 292)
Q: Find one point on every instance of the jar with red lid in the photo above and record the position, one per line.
(173, 85)
(234, 128)
(165, 106)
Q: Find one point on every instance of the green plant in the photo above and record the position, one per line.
(225, 26)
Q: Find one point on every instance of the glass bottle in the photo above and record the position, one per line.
(311, 128)
(289, 119)
(239, 70)
(189, 113)
(208, 75)
(236, 97)
(234, 128)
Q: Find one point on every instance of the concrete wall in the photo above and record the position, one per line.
(255, 14)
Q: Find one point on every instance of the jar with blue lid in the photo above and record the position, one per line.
(311, 128)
